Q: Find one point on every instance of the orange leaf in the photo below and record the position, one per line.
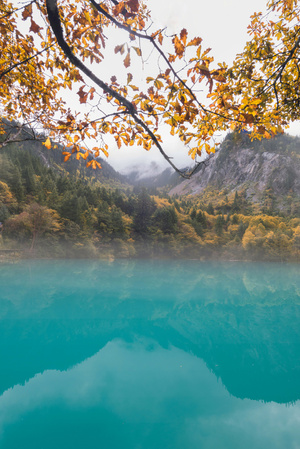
(217, 75)
(158, 84)
(105, 152)
(48, 144)
(261, 129)
(127, 60)
(196, 41)
(35, 27)
(119, 48)
(27, 12)
(94, 125)
(183, 35)
(67, 156)
(204, 70)
(92, 91)
(248, 118)
(118, 9)
(83, 96)
(133, 5)
(138, 51)
(179, 47)
(118, 140)
(85, 155)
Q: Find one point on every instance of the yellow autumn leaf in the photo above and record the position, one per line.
(48, 144)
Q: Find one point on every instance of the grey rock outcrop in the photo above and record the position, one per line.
(249, 167)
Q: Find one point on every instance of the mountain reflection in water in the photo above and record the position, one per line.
(149, 354)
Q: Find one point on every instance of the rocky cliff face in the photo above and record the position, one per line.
(255, 167)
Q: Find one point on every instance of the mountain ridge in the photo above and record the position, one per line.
(259, 168)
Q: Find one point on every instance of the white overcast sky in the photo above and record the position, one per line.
(222, 24)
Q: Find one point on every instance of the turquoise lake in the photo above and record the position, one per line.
(149, 355)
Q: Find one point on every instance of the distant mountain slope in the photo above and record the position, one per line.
(258, 167)
(158, 179)
(54, 159)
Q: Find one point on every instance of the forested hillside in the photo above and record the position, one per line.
(50, 209)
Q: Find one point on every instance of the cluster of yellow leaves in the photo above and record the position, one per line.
(259, 93)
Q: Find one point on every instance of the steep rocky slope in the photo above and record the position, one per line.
(256, 167)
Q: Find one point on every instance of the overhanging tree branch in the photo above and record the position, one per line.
(55, 23)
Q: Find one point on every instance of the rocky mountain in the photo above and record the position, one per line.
(267, 167)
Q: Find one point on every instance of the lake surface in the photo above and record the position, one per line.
(149, 355)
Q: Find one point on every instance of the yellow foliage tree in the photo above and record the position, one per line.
(48, 46)
(6, 196)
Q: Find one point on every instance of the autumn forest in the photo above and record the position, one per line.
(52, 209)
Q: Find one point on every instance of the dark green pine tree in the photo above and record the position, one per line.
(29, 180)
(17, 187)
(145, 207)
(4, 213)
(201, 218)
(219, 226)
(117, 224)
(69, 208)
(166, 219)
(236, 207)
(210, 209)
(193, 214)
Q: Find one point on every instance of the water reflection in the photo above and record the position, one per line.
(149, 355)
(146, 387)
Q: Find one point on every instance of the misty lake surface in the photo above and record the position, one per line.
(149, 355)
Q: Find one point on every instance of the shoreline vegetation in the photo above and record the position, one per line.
(264, 239)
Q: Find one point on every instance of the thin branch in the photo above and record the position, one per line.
(9, 13)
(24, 61)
